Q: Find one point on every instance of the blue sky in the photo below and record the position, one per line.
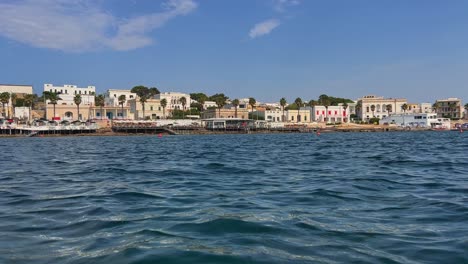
(262, 48)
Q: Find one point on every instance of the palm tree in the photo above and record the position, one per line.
(404, 107)
(183, 101)
(372, 108)
(252, 103)
(29, 101)
(298, 102)
(345, 106)
(5, 99)
(122, 99)
(53, 99)
(388, 108)
(100, 101)
(220, 102)
(77, 101)
(144, 93)
(235, 103)
(359, 108)
(13, 97)
(283, 103)
(164, 104)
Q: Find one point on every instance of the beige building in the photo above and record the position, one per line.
(173, 100)
(66, 109)
(68, 112)
(153, 109)
(379, 106)
(449, 108)
(19, 90)
(225, 113)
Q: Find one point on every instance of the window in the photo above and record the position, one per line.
(115, 95)
(305, 118)
(131, 96)
(151, 108)
(336, 112)
(66, 91)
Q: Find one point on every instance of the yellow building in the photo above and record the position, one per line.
(225, 113)
(153, 109)
(303, 116)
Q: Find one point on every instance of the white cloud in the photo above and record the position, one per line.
(81, 25)
(264, 28)
(281, 5)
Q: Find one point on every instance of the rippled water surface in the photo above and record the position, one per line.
(289, 198)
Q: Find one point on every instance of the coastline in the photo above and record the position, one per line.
(107, 132)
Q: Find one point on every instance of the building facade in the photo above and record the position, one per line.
(19, 90)
(173, 100)
(66, 109)
(299, 116)
(225, 113)
(332, 114)
(153, 109)
(449, 108)
(111, 97)
(376, 106)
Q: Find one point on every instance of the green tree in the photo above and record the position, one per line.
(99, 100)
(298, 102)
(252, 103)
(283, 104)
(201, 98)
(144, 93)
(345, 106)
(388, 108)
(5, 99)
(358, 109)
(14, 98)
(404, 107)
(235, 103)
(122, 99)
(163, 105)
(77, 101)
(220, 102)
(53, 99)
(373, 110)
(29, 100)
(183, 101)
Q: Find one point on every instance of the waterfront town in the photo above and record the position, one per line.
(61, 105)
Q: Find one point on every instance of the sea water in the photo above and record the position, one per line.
(283, 198)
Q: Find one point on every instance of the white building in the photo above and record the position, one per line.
(273, 115)
(334, 114)
(426, 108)
(208, 104)
(111, 97)
(376, 106)
(421, 120)
(67, 94)
(173, 100)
